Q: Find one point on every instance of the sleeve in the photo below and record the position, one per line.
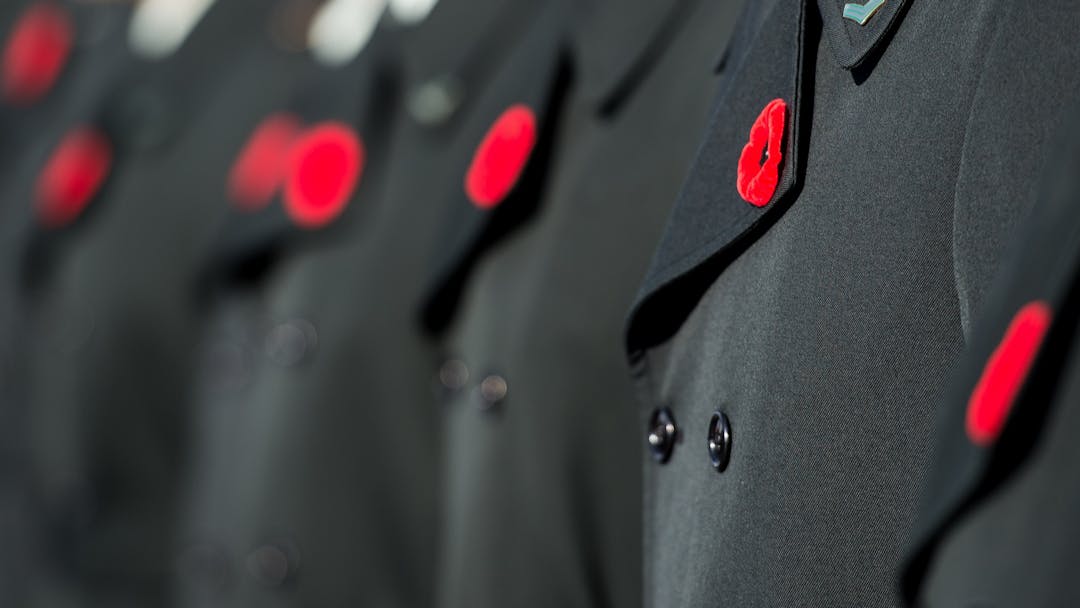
(1029, 77)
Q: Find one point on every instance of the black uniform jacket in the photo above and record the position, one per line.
(317, 481)
(32, 126)
(797, 322)
(113, 319)
(997, 522)
(542, 485)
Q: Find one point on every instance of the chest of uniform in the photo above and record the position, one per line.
(819, 319)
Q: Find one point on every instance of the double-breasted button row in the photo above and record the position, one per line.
(454, 376)
(663, 433)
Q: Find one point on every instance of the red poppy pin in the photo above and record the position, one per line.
(36, 52)
(325, 167)
(260, 167)
(759, 164)
(501, 157)
(72, 176)
(1005, 372)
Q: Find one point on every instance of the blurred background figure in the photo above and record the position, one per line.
(59, 62)
(111, 223)
(318, 302)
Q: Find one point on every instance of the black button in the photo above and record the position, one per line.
(662, 435)
(289, 343)
(719, 441)
(434, 102)
(274, 563)
(493, 390)
(454, 375)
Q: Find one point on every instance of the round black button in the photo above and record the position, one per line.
(493, 390)
(454, 375)
(719, 440)
(434, 102)
(662, 435)
(273, 563)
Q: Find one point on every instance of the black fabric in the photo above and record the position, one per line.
(709, 222)
(991, 513)
(107, 380)
(29, 135)
(531, 76)
(542, 492)
(826, 331)
(318, 429)
(614, 46)
(250, 244)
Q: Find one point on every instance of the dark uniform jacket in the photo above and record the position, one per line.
(996, 525)
(317, 481)
(542, 487)
(108, 367)
(816, 280)
(92, 57)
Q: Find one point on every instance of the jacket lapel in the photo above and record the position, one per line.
(710, 219)
(772, 56)
(249, 242)
(532, 77)
(142, 113)
(605, 51)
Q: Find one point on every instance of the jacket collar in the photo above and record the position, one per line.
(856, 28)
(433, 49)
(614, 43)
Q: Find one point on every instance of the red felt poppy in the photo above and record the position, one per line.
(36, 52)
(757, 180)
(72, 176)
(1005, 372)
(325, 165)
(501, 157)
(259, 169)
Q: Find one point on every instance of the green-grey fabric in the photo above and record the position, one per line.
(825, 326)
(331, 460)
(995, 525)
(1016, 545)
(543, 489)
(30, 134)
(114, 322)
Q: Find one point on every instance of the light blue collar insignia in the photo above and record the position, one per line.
(861, 13)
